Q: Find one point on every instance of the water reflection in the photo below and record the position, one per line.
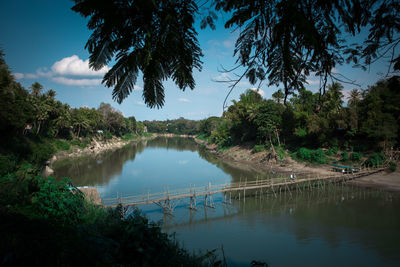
(100, 170)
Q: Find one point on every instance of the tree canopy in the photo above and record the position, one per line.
(280, 42)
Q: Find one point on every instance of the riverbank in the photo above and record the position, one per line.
(244, 155)
(96, 147)
(388, 181)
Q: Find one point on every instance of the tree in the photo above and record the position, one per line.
(156, 38)
(36, 89)
(278, 96)
(279, 41)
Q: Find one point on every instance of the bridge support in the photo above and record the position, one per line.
(167, 205)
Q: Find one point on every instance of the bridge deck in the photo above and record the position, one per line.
(192, 192)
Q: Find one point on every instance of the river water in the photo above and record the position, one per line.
(337, 226)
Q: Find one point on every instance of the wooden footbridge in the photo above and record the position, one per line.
(165, 199)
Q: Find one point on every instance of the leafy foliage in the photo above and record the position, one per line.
(258, 148)
(156, 38)
(42, 222)
(375, 160)
(316, 156)
(281, 42)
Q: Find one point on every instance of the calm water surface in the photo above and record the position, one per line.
(341, 226)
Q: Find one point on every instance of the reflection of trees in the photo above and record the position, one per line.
(100, 169)
(177, 143)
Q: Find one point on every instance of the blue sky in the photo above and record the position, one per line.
(44, 41)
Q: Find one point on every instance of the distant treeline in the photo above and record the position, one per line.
(178, 126)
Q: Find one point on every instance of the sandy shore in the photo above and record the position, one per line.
(389, 181)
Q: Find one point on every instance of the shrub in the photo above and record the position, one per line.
(281, 153)
(356, 156)
(304, 154)
(258, 148)
(318, 156)
(375, 160)
(392, 166)
(41, 152)
(43, 222)
(7, 164)
(61, 145)
(128, 137)
(345, 156)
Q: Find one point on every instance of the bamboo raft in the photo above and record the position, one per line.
(273, 186)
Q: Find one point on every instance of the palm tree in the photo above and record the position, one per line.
(51, 93)
(354, 98)
(36, 89)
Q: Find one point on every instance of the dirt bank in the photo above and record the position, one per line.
(389, 181)
(96, 147)
(244, 155)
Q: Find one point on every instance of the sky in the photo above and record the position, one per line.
(44, 40)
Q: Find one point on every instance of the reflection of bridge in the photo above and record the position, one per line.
(273, 186)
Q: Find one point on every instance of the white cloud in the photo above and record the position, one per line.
(183, 162)
(43, 72)
(18, 75)
(138, 88)
(223, 77)
(259, 91)
(75, 66)
(31, 76)
(183, 100)
(76, 82)
(140, 103)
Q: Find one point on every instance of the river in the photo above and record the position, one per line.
(337, 226)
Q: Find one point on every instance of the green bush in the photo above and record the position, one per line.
(345, 156)
(43, 222)
(128, 137)
(375, 160)
(316, 156)
(80, 143)
(304, 154)
(356, 156)
(392, 166)
(61, 145)
(41, 152)
(8, 164)
(281, 153)
(258, 148)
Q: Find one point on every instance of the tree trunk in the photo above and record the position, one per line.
(277, 136)
(38, 128)
(79, 130)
